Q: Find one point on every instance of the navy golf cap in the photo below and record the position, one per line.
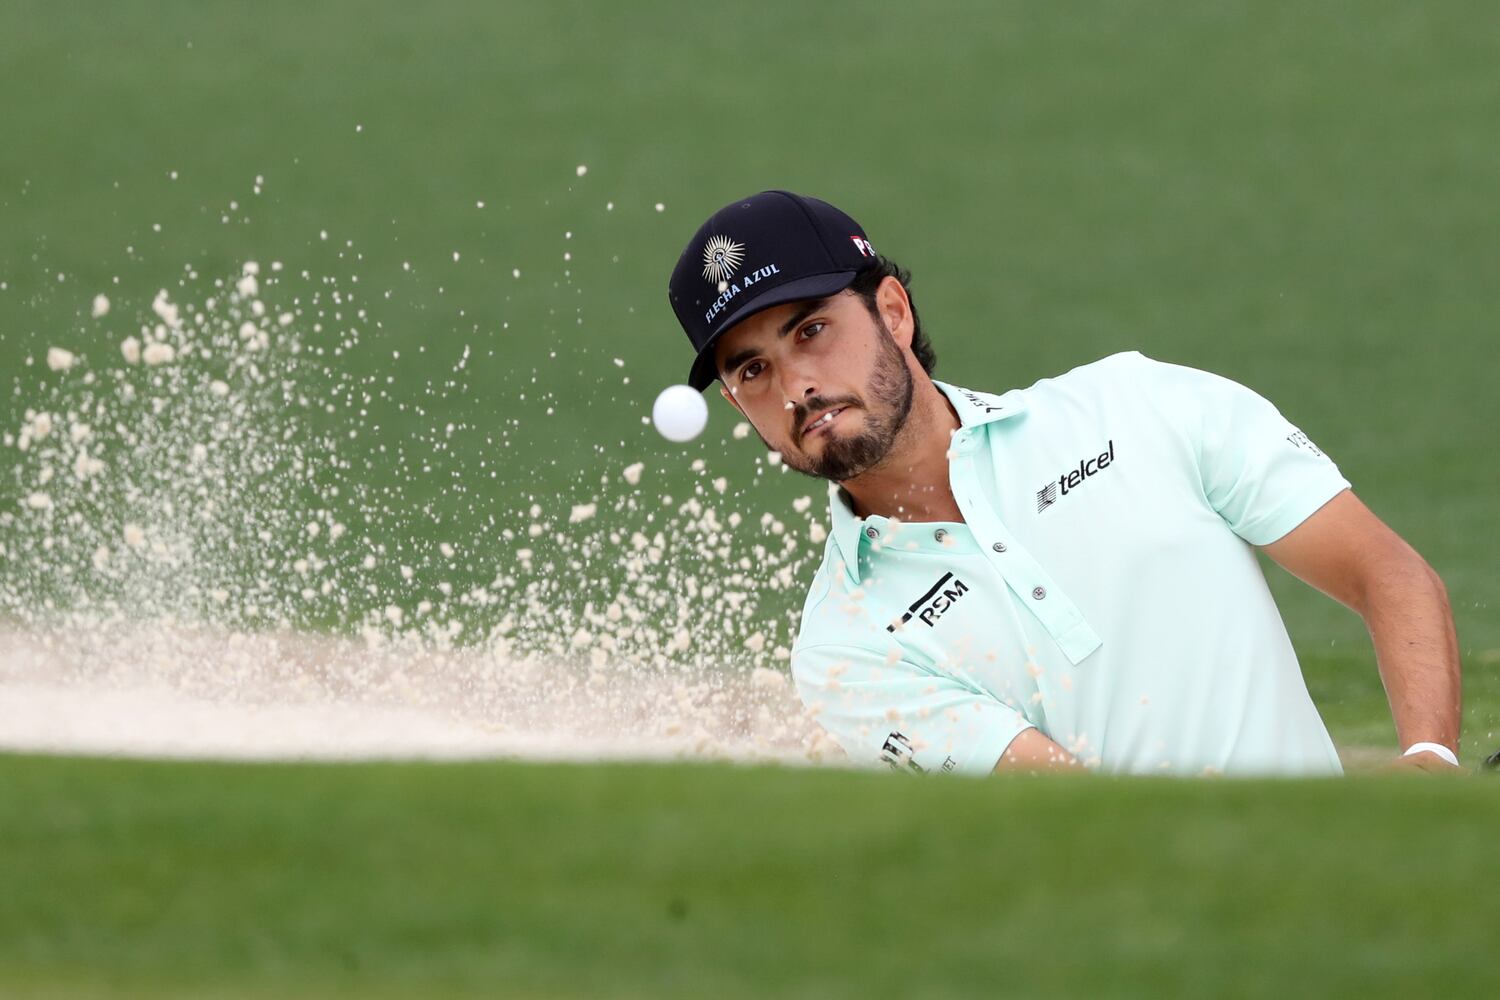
(758, 252)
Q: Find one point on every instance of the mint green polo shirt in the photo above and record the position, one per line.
(1102, 587)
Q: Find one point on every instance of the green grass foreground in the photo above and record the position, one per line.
(187, 879)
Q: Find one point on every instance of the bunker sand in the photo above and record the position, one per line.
(200, 693)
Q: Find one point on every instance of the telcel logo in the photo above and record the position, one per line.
(1073, 478)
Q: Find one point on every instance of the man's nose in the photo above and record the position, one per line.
(798, 384)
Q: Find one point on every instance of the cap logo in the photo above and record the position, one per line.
(721, 257)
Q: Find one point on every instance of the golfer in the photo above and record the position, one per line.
(1060, 576)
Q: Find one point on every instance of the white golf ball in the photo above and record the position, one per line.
(680, 413)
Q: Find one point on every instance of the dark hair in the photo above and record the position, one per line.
(864, 286)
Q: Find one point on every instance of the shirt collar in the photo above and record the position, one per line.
(974, 409)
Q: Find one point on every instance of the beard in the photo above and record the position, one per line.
(887, 403)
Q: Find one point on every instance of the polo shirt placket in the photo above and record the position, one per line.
(1026, 578)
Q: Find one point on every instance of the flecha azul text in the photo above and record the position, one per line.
(759, 274)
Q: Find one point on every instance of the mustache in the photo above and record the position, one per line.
(802, 411)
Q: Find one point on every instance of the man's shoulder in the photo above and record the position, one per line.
(1119, 372)
(1114, 371)
(1128, 386)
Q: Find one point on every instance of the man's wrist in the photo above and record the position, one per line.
(1432, 748)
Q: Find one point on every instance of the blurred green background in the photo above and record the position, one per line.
(1298, 195)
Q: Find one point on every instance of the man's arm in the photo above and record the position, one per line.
(882, 707)
(1348, 553)
(1032, 750)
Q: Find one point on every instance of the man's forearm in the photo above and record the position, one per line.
(1033, 750)
(1416, 647)
(1351, 555)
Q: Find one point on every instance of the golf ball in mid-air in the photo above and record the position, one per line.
(680, 413)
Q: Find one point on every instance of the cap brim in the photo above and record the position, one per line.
(814, 286)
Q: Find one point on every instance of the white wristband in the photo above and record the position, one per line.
(1436, 748)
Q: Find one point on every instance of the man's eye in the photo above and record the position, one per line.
(750, 371)
(812, 330)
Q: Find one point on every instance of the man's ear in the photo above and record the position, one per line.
(895, 309)
(729, 398)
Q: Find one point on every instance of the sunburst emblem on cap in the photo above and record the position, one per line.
(721, 255)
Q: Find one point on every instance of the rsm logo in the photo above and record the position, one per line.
(935, 603)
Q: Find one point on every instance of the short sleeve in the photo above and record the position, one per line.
(880, 709)
(1258, 470)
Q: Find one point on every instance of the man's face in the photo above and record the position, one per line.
(823, 382)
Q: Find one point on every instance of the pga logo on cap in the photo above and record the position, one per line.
(863, 246)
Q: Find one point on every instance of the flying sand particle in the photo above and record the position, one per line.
(158, 353)
(195, 500)
(164, 309)
(767, 680)
(85, 466)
